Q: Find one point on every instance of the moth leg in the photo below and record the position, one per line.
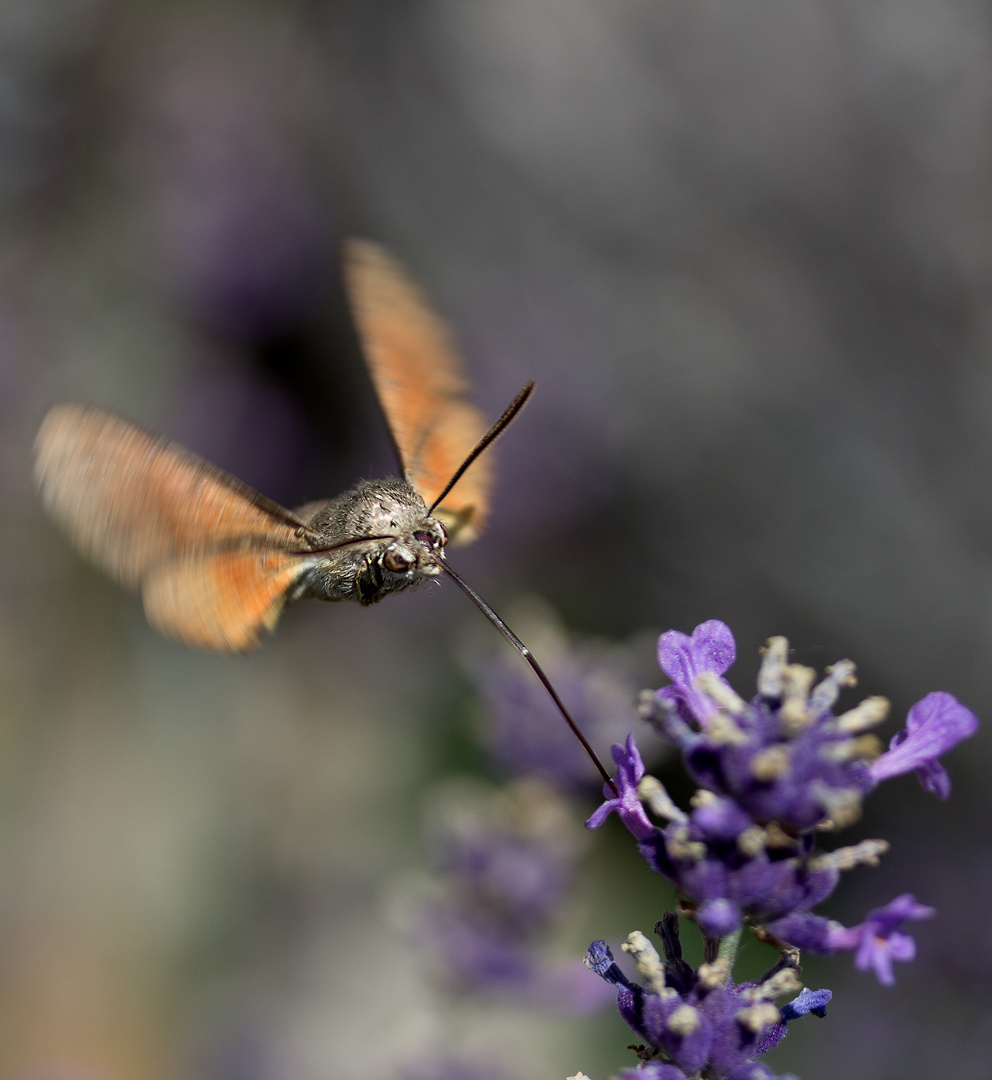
(369, 581)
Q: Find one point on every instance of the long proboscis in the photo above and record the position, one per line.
(521, 648)
(497, 429)
(509, 413)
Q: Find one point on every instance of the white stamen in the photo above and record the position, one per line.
(721, 730)
(864, 747)
(867, 853)
(718, 691)
(771, 763)
(784, 981)
(652, 791)
(681, 848)
(795, 714)
(864, 716)
(713, 974)
(842, 805)
(649, 964)
(683, 1021)
(775, 657)
(751, 841)
(776, 837)
(826, 692)
(757, 1017)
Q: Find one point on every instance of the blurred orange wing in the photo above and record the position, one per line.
(219, 600)
(154, 515)
(420, 384)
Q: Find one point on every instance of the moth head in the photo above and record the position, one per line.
(415, 554)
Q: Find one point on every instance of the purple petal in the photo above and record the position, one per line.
(626, 803)
(682, 658)
(934, 779)
(879, 939)
(812, 933)
(628, 761)
(721, 819)
(874, 953)
(599, 958)
(601, 813)
(896, 912)
(809, 1001)
(933, 726)
(718, 918)
(711, 648)
(630, 1005)
(902, 946)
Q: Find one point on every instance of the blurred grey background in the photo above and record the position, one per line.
(745, 247)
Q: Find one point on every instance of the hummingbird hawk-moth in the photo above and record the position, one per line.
(216, 561)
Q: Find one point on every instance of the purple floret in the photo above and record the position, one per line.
(711, 648)
(626, 803)
(933, 726)
(879, 940)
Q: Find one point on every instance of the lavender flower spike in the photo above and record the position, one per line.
(933, 726)
(698, 1022)
(771, 774)
(878, 940)
(627, 804)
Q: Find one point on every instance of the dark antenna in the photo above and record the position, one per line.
(487, 440)
(343, 544)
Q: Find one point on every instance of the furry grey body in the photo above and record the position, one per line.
(404, 546)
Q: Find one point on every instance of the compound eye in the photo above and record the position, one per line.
(430, 539)
(397, 562)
